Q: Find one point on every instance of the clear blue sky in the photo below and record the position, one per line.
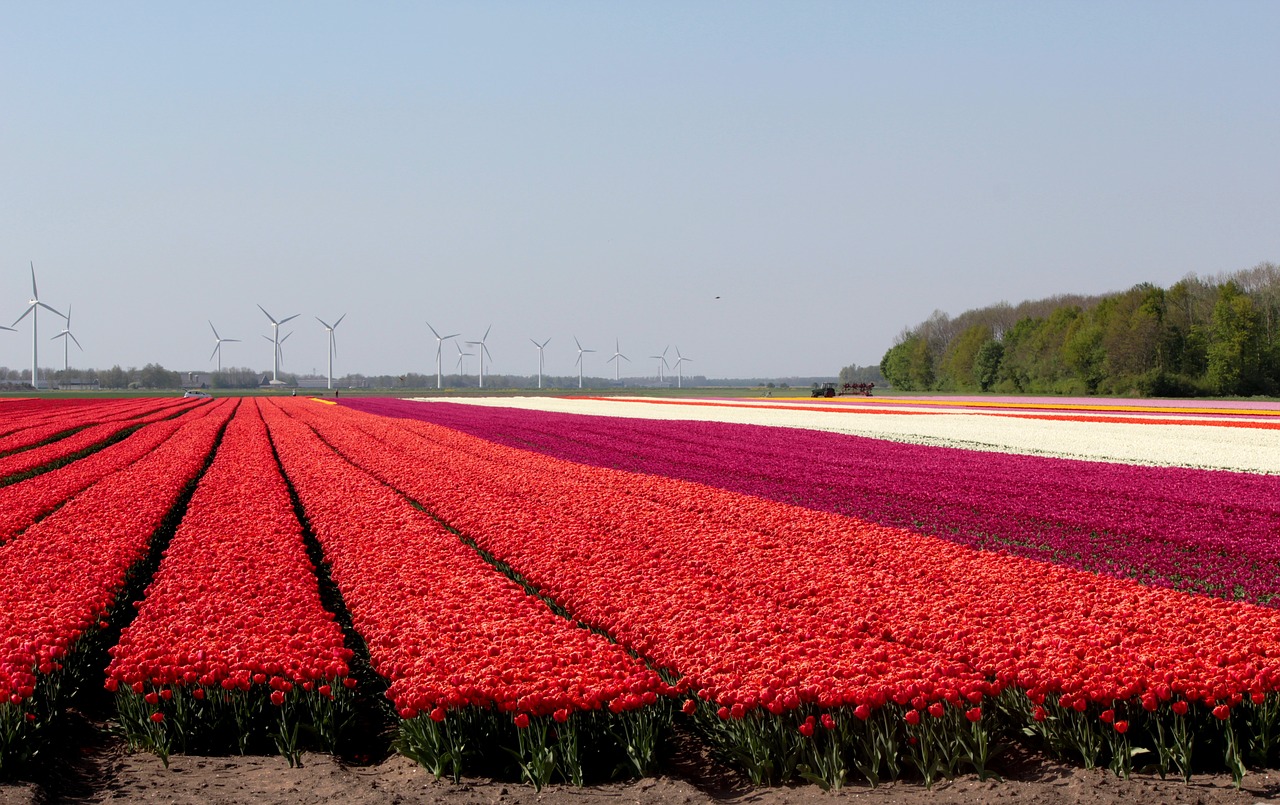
(831, 171)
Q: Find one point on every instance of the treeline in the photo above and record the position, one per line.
(853, 373)
(151, 376)
(1217, 336)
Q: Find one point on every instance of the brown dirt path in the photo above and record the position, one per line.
(118, 777)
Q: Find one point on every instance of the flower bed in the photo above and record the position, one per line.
(762, 606)
(476, 665)
(62, 579)
(1194, 530)
(21, 504)
(231, 643)
(92, 428)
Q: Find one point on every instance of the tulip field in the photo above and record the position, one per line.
(545, 589)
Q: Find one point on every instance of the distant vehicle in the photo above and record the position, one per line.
(196, 393)
(825, 390)
(860, 389)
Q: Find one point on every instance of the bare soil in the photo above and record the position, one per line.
(94, 767)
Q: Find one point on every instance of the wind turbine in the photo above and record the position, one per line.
(483, 351)
(461, 355)
(333, 344)
(540, 347)
(662, 362)
(440, 339)
(277, 340)
(617, 364)
(581, 351)
(217, 347)
(279, 351)
(66, 335)
(679, 374)
(33, 306)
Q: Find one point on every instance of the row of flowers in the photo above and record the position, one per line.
(30, 422)
(95, 426)
(21, 504)
(232, 636)
(764, 607)
(1211, 447)
(473, 661)
(62, 579)
(1195, 530)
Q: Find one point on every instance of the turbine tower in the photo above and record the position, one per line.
(540, 347)
(617, 364)
(217, 346)
(662, 362)
(333, 344)
(483, 351)
(66, 335)
(440, 339)
(680, 375)
(33, 306)
(277, 340)
(279, 352)
(581, 351)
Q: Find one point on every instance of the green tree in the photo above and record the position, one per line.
(1083, 352)
(155, 376)
(908, 365)
(955, 371)
(1234, 353)
(986, 364)
(114, 378)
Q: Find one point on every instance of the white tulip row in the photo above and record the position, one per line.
(1219, 446)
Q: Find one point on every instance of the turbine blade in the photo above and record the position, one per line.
(339, 321)
(579, 343)
(453, 335)
(268, 315)
(269, 338)
(24, 314)
(291, 318)
(433, 332)
(47, 307)
(486, 333)
(73, 338)
(237, 340)
(10, 329)
(215, 350)
(215, 331)
(327, 327)
(286, 338)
